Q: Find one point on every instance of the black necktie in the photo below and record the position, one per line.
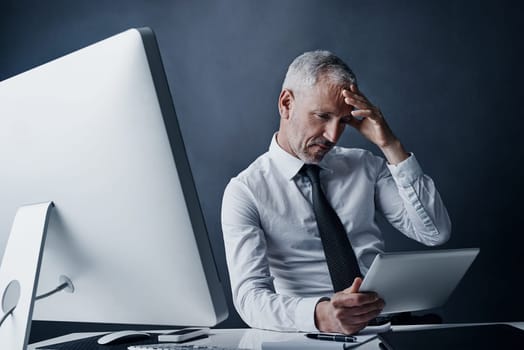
(340, 257)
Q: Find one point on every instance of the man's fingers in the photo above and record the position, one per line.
(360, 314)
(360, 310)
(368, 308)
(357, 319)
(353, 310)
(357, 282)
(357, 103)
(366, 113)
(356, 96)
(344, 299)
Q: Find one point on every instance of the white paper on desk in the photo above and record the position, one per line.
(314, 344)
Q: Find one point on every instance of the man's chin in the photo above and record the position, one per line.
(314, 158)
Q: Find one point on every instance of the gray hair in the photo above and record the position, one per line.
(306, 69)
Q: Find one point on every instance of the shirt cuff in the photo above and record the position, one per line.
(305, 314)
(406, 172)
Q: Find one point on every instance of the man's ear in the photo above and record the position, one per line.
(285, 103)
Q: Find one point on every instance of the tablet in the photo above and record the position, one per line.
(411, 281)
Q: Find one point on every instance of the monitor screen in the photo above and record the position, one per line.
(96, 132)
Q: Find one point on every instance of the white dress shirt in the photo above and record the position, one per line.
(274, 254)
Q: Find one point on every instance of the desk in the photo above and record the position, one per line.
(252, 338)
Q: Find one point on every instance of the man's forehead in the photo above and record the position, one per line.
(325, 95)
(325, 87)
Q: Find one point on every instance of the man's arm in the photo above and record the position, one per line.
(252, 286)
(254, 295)
(406, 197)
(410, 201)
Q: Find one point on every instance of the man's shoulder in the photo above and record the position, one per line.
(255, 171)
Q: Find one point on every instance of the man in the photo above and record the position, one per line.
(274, 237)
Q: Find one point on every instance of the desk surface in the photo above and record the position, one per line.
(248, 338)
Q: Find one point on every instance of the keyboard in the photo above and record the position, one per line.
(172, 346)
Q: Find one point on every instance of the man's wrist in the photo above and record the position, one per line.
(320, 314)
(323, 320)
(394, 152)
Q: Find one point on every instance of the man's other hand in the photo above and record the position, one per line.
(348, 311)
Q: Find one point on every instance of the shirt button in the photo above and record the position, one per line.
(401, 175)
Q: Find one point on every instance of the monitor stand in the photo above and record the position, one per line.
(19, 273)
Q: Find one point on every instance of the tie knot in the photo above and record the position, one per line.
(312, 171)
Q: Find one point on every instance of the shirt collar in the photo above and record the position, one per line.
(289, 165)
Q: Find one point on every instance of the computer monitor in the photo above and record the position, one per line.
(96, 132)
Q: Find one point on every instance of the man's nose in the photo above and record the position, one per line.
(333, 130)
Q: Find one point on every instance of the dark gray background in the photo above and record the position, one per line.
(446, 74)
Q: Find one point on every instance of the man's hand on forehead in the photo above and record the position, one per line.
(355, 98)
(362, 108)
(369, 121)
